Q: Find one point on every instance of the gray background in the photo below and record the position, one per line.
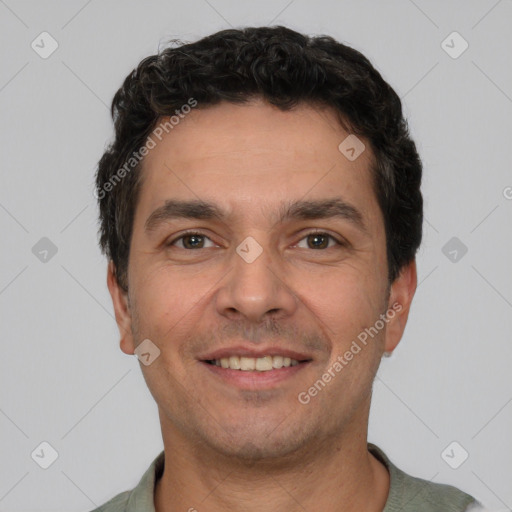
(63, 378)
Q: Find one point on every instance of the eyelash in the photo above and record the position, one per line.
(314, 232)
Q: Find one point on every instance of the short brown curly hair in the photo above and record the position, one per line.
(285, 68)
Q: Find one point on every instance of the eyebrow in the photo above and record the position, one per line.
(300, 210)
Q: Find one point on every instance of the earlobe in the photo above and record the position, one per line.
(400, 298)
(121, 309)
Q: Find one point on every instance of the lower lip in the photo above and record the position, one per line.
(253, 379)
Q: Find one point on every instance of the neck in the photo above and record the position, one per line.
(334, 475)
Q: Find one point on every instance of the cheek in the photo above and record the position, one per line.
(170, 309)
(167, 313)
(345, 305)
(343, 301)
(160, 302)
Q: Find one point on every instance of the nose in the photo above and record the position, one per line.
(255, 289)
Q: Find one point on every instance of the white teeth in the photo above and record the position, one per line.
(277, 361)
(264, 364)
(261, 364)
(246, 363)
(234, 362)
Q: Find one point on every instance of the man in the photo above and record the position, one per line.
(260, 206)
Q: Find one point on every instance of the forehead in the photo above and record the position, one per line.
(306, 131)
(247, 156)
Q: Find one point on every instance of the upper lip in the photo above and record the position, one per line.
(251, 352)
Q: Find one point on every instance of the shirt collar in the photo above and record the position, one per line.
(142, 496)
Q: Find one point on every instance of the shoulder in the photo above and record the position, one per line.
(411, 494)
(116, 504)
(140, 498)
(425, 496)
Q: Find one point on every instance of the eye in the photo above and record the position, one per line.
(320, 240)
(196, 240)
(191, 240)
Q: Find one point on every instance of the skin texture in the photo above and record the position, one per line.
(233, 449)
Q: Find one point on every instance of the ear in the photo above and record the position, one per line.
(122, 311)
(400, 298)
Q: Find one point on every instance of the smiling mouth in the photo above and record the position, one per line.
(259, 364)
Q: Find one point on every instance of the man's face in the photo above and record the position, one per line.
(306, 292)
